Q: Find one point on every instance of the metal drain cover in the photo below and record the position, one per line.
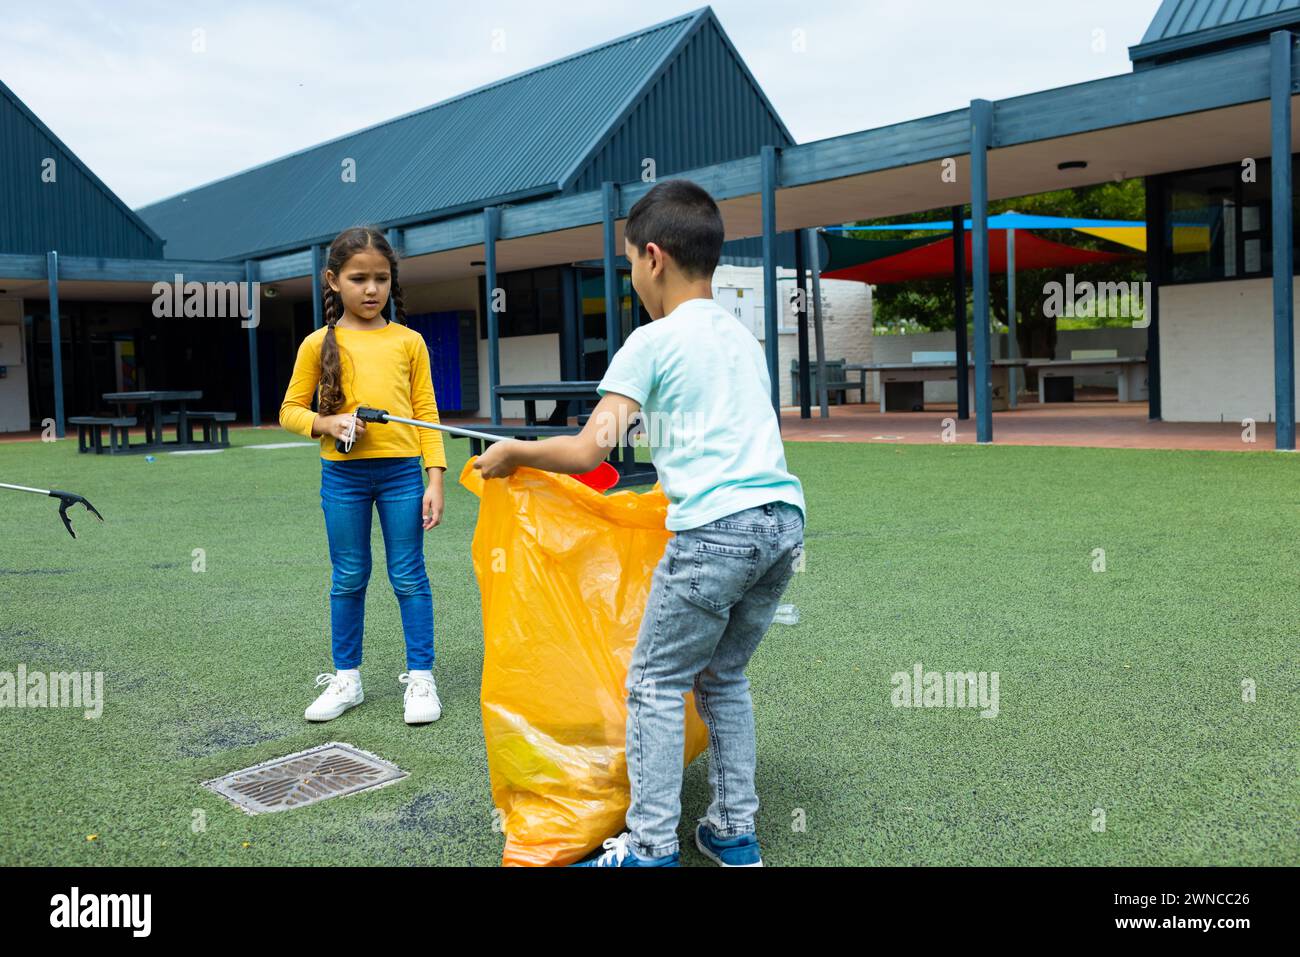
(305, 777)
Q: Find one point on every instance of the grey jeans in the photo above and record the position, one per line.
(712, 598)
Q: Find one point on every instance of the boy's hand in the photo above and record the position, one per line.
(499, 459)
(566, 454)
(431, 507)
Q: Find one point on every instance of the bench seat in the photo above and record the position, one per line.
(90, 432)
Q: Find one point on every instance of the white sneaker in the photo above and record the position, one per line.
(342, 693)
(421, 698)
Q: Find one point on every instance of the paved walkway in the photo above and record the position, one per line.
(1097, 424)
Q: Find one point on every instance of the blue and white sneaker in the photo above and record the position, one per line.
(739, 851)
(618, 853)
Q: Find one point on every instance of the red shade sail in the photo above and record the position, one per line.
(935, 260)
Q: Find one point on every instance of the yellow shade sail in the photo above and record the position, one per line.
(1134, 237)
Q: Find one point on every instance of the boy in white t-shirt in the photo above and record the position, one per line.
(699, 379)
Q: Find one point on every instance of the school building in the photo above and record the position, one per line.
(521, 186)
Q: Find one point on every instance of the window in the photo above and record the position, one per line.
(1216, 226)
(533, 304)
(591, 292)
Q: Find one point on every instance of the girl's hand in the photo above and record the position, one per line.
(431, 508)
(337, 425)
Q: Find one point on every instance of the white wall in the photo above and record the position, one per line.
(846, 320)
(1216, 351)
(523, 359)
(15, 414)
(1125, 342)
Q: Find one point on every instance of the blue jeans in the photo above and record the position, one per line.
(349, 492)
(713, 596)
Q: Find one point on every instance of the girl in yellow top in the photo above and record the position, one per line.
(360, 358)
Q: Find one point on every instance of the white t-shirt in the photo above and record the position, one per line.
(706, 398)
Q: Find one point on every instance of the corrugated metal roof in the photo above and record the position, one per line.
(1181, 25)
(75, 212)
(527, 135)
(704, 108)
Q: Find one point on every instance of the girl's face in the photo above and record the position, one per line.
(363, 283)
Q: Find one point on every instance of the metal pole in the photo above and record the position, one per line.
(609, 210)
(254, 318)
(981, 113)
(805, 374)
(570, 348)
(959, 310)
(1280, 46)
(1155, 216)
(56, 338)
(814, 263)
(491, 226)
(394, 236)
(316, 291)
(1013, 350)
(770, 345)
(449, 429)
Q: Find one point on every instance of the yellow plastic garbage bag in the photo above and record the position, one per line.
(564, 572)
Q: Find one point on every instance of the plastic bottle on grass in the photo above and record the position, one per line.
(786, 615)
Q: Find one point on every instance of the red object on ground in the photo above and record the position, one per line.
(935, 260)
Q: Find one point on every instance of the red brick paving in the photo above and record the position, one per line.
(1095, 424)
(1100, 424)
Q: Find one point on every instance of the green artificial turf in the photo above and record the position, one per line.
(1119, 690)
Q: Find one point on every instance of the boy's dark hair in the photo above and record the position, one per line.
(681, 219)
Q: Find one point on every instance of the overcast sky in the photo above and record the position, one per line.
(122, 85)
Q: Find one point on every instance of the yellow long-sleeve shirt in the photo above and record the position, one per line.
(384, 368)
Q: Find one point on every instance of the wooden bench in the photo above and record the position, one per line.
(212, 422)
(90, 432)
(837, 381)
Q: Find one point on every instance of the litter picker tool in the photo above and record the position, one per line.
(602, 477)
(66, 501)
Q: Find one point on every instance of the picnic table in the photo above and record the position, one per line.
(1130, 374)
(155, 399)
(623, 459)
(532, 393)
(902, 384)
(156, 418)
